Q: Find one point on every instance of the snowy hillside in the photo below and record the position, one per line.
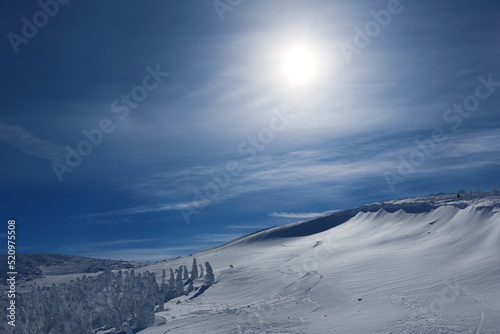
(422, 265)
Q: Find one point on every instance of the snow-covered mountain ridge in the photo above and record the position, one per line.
(488, 201)
(421, 265)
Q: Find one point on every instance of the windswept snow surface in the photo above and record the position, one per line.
(422, 265)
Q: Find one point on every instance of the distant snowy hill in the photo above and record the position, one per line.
(421, 265)
(51, 267)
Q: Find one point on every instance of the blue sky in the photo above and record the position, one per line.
(147, 130)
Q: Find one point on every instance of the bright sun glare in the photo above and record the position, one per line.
(299, 65)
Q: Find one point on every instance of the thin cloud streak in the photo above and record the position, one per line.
(138, 210)
(301, 215)
(142, 254)
(311, 167)
(246, 227)
(200, 242)
(211, 238)
(120, 242)
(30, 144)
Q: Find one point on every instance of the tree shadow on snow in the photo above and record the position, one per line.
(202, 289)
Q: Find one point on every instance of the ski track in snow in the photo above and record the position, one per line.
(309, 295)
(480, 323)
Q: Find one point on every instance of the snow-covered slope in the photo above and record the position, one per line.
(422, 265)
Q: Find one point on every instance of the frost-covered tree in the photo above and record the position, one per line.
(109, 302)
(164, 285)
(209, 277)
(163, 278)
(190, 288)
(185, 272)
(179, 285)
(201, 271)
(104, 302)
(171, 286)
(194, 270)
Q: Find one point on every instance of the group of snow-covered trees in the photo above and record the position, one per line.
(122, 300)
(175, 285)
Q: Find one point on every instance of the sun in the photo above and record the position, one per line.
(299, 65)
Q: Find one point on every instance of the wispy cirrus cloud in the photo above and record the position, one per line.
(126, 249)
(140, 254)
(300, 215)
(211, 238)
(142, 249)
(30, 144)
(478, 142)
(295, 168)
(128, 242)
(137, 210)
(246, 227)
(310, 170)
